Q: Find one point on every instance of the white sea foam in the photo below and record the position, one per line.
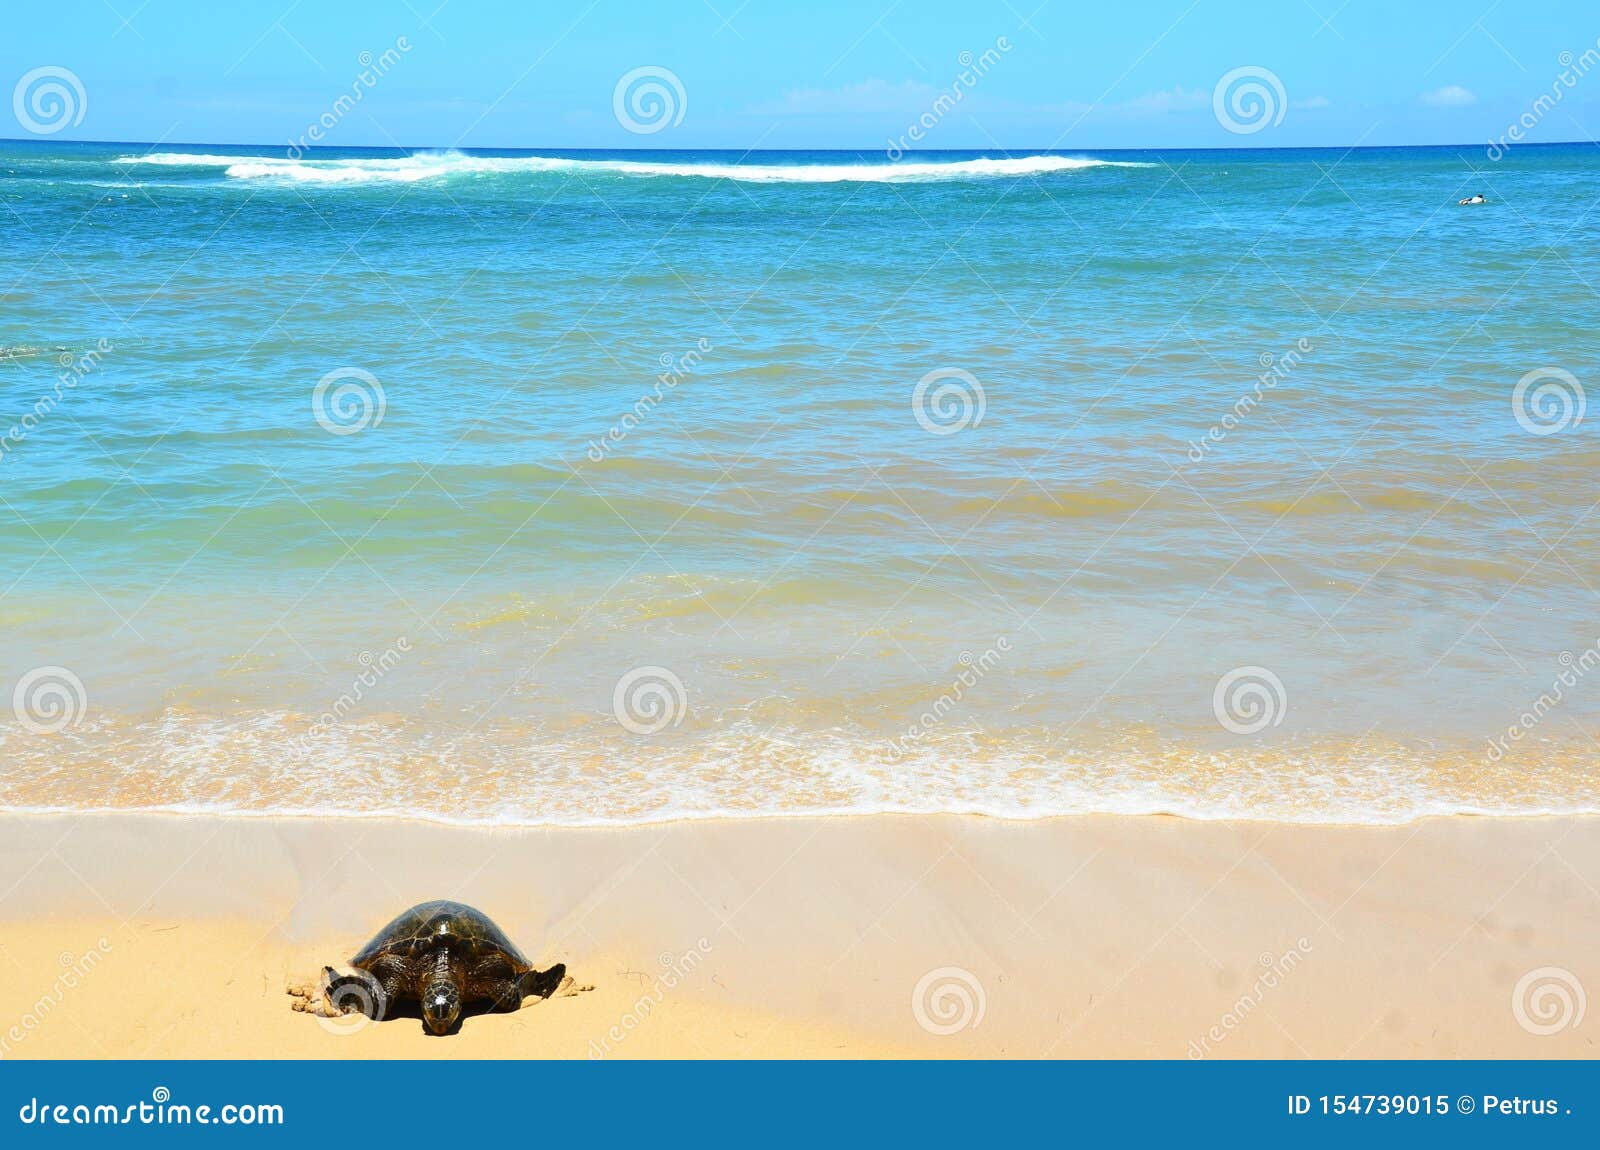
(249, 765)
(440, 165)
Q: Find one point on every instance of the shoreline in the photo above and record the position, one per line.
(913, 936)
(732, 816)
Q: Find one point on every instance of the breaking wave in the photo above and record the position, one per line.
(441, 165)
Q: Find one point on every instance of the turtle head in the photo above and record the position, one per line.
(441, 1003)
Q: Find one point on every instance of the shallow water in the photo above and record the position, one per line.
(365, 482)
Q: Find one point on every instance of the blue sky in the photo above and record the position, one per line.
(762, 73)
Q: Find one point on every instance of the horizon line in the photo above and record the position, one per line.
(1008, 151)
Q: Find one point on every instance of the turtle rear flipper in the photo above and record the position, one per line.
(543, 983)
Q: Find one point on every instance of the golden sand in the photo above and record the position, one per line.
(162, 936)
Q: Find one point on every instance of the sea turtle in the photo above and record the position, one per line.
(441, 955)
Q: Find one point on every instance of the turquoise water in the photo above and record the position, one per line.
(367, 482)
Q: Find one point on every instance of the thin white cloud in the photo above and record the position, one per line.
(1160, 103)
(1450, 96)
(865, 98)
(909, 99)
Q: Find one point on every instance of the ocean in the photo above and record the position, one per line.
(570, 488)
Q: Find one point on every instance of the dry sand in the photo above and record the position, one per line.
(168, 936)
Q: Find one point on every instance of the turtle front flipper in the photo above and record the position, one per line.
(542, 983)
(359, 992)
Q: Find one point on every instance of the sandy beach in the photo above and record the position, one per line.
(1099, 937)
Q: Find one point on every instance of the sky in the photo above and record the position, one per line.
(1018, 75)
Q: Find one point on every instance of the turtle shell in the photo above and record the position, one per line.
(442, 923)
